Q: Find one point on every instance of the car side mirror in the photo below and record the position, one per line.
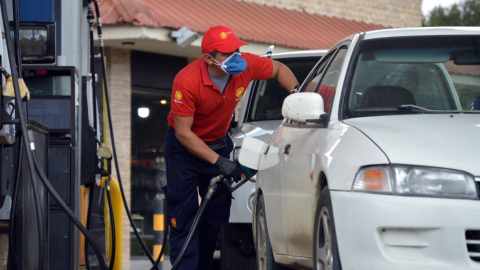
(303, 107)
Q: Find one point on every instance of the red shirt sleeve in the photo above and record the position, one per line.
(183, 98)
(261, 68)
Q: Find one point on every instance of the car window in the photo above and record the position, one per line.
(268, 95)
(434, 73)
(466, 79)
(328, 86)
(311, 85)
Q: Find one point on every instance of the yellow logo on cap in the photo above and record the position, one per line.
(223, 35)
(240, 91)
(178, 95)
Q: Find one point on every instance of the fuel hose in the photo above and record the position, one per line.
(91, 21)
(112, 136)
(36, 195)
(112, 222)
(11, 232)
(69, 213)
(211, 189)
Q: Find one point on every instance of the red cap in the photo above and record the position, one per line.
(220, 38)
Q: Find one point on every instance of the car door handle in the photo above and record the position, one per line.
(266, 149)
(287, 149)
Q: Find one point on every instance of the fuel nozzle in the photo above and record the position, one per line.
(249, 173)
(8, 90)
(103, 151)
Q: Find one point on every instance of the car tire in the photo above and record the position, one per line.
(325, 248)
(263, 247)
(231, 256)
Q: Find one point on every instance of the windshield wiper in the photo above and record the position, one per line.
(381, 109)
(410, 107)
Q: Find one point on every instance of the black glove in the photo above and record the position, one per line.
(229, 168)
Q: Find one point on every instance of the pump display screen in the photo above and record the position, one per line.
(37, 42)
(33, 40)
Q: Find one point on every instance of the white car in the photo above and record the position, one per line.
(377, 162)
(259, 115)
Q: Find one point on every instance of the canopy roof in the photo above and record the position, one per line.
(249, 21)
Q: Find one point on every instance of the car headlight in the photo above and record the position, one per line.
(434, 182)
(416, 181)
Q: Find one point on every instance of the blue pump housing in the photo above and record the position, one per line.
(36, 10)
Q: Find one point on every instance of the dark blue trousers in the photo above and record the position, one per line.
(185, 173)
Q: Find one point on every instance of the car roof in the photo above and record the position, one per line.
(422, 31)
(295, 54)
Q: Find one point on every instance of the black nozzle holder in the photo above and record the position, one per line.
(7, 75)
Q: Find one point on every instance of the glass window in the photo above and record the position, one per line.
(415, 75)
(148, 175)
(269, 95)
(466, 80)
(47, 85)
(310, 87)
(328, 86)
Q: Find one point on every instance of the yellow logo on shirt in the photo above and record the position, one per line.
(178, 95)
(223, 35)
(240, 91)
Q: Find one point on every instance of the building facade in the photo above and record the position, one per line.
(393, 13)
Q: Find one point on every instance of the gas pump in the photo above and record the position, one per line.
(47, 142)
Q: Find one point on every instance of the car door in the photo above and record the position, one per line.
(301, 143)
(263, 98)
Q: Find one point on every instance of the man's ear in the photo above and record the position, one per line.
(208, 59)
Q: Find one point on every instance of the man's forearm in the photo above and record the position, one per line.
(196, 146)
(286, 78)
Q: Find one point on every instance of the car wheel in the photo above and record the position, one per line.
(263, 247)
(231, 256)
(325, 249)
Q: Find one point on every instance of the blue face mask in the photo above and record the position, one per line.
(234, 64)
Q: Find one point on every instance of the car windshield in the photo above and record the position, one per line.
(268, 95)
(415, 75)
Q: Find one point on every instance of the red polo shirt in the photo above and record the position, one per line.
(194, 94)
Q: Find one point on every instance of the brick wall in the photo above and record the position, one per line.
(405, 13)
(119, 82)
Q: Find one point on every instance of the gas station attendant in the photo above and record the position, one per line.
(204, 97)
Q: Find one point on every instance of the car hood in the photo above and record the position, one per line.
(261, 130)
(437, 140)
